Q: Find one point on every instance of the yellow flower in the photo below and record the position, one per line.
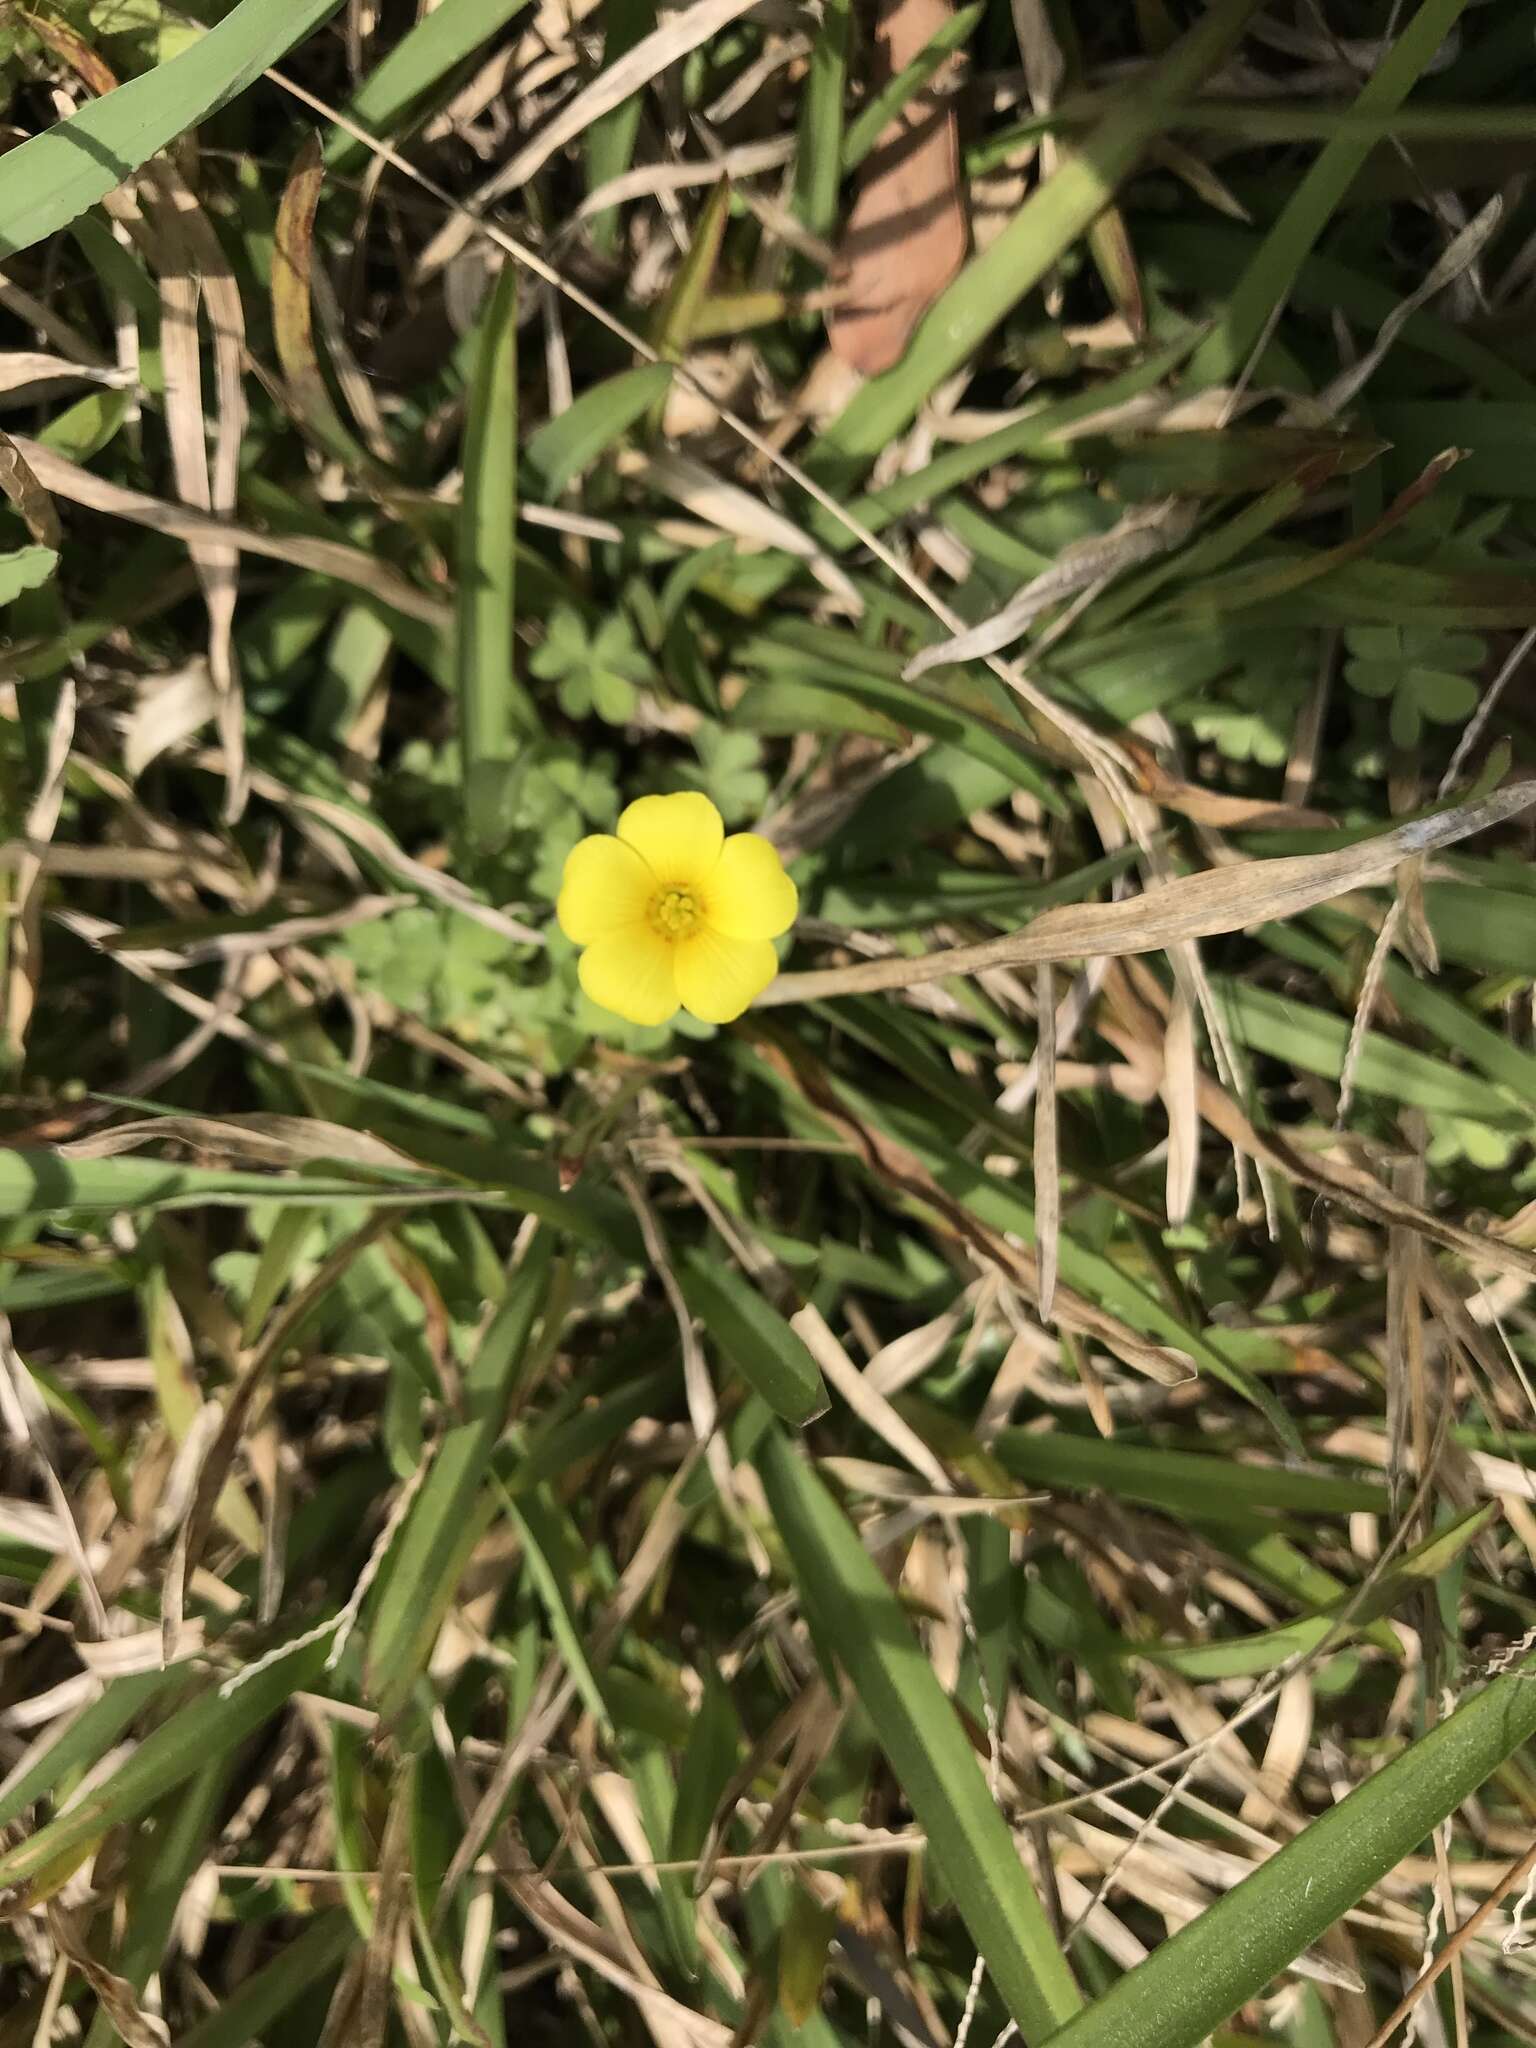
(671, 912)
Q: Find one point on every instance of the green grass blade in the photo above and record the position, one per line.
(536, 1520)
(570, 442)
(1199, 1978)
(86, 1740)
(818, 163)
(54, 176)
(168, 1852)
(1250, 304)
(426, 58)
(35, 1182)
(1183, 1482)
(494, 709)
(753, 1339)
(610, 141)
(207, 1726)
(882, 107)
(858, 1621)
(704, 1770)
(1317, 1043)
(448, 1515)
(292, 1974)
(1037, 237)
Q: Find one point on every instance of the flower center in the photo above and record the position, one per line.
(674, 913)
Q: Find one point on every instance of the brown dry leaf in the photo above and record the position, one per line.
(194, 272)
(1216, 807)
(906, 236)
(294, 272)
(1225, 899)
(87, 64)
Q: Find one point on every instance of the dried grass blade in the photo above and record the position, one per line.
(1142, 534)
(1180, 1093)
(333, 558)
(680, 33)
(115, 1996)
(24, 966)
(1458, 256)
(26, 1419)
(185, 257)
(1225, 899)
(1047, 1141)
(1352, 1187)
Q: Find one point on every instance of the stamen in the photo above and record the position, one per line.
(673, 913)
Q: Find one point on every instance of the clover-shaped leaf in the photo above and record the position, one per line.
(727, 772)
(586, 780)
(399, 957)
(595, 672)
(1254, 717)
(1463, 1137)
(1421, 670)
(556, 838)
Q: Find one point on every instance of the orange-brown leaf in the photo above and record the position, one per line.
(906, 236)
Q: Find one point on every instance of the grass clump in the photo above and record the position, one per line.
(988, 1489)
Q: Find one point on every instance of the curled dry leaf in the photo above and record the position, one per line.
(168, 709)
(906, 236)
(1144, 532)
(19, 483)
(257, 1140)
(115, 1996)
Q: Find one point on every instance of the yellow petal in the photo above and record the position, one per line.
(677, 836)
(749, 894)
(717, 976)
(606, 886)
(630, 971)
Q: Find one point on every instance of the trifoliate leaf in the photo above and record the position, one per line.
(595, 671)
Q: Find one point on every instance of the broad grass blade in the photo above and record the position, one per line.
(54, 176)
(855, 1616)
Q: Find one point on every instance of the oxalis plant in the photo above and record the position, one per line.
(768, 1185)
